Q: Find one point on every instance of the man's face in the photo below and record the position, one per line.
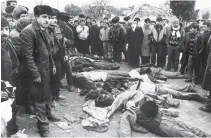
(204, 28)
(82, 23)
(105, 25)
(152, 24)
(159, 22)
(81, 19)
(23, 16)
(53, 21)
(43, 20)
(175, 24)
(76, 23)
(164, 22)
(93, 23)
(5, 31)
(192, 30)
(88, 20)
(14, 4)
(147, 24)
(10, 20)
(71, 21)
(135, 23)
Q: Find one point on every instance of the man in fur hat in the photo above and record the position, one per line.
(117, 38)
(35, 49)
(9, 9)
(20, 12)
(11, 3)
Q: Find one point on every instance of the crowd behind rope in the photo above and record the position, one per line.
(35, 52)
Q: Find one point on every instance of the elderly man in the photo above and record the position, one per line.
(35, 48)
(174, 41)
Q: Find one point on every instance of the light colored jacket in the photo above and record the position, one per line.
(104, 34)
(159, 36)
(83, 32)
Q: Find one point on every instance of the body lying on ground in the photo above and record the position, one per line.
(148, 117)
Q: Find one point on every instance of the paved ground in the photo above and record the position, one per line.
(189, 113)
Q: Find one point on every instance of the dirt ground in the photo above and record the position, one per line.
(188, 113)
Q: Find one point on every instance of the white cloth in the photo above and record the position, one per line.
(176, 32)
(96, 76)
(83, 32)
(135, 75)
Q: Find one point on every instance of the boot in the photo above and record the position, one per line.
(53, 118)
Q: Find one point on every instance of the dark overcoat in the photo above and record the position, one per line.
(134, 39)
(207, 76)
(35, 51)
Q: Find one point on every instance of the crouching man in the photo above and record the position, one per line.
(35, 49)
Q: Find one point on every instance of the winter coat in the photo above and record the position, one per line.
(158, 34)
(207, 77)
(35, 50)
(196, 49)
(180, 40)
(145, 51)
(104, 34)
(134, 39)
(9, 61)
(117, 37)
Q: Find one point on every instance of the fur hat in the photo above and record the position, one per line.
(55, 12)
(63, 16)
(159, 19)
(137, 19)
(81, 16)
(87, 17)
(7, 15)
(115, 20)
(126, 18)
(8, 1)
(9, 9)
(23, 23)
(42, 9)
(19, 10)
(4, 22)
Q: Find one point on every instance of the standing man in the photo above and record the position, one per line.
(93, 37)
(117, 38)
(158, 41)
(174, 41)
(11, 3)
(35, 49)
(104, 37)
(145, 51)
(134, 38)
(207, 78)
(20, 12)
(83, 34)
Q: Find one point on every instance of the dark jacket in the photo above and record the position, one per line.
(9, 61)
(35, 50)
(196, 49)
(134, 40)
(205, 39)
(117, 37)
(207, 77)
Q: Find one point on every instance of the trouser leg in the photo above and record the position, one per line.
(197, 68)
(145, 59)
(170, 52)
(105, 49)
(176, 59)
(153, 53)
(184, 62)
(160, 54)
(125, 52)
(114, 53)
(68, 69)
(42, 121)
(190, 67)
(56, 80)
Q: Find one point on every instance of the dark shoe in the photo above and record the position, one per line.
(45, 134)
(53, 118)
(60, 97)
(188, 80)
(205, 109)
(71, 88)
(29, 109)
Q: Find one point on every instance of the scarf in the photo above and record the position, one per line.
(176, 31)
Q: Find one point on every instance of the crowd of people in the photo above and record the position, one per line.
(35, 52)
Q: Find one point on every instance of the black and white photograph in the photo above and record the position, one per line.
(105, 68)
